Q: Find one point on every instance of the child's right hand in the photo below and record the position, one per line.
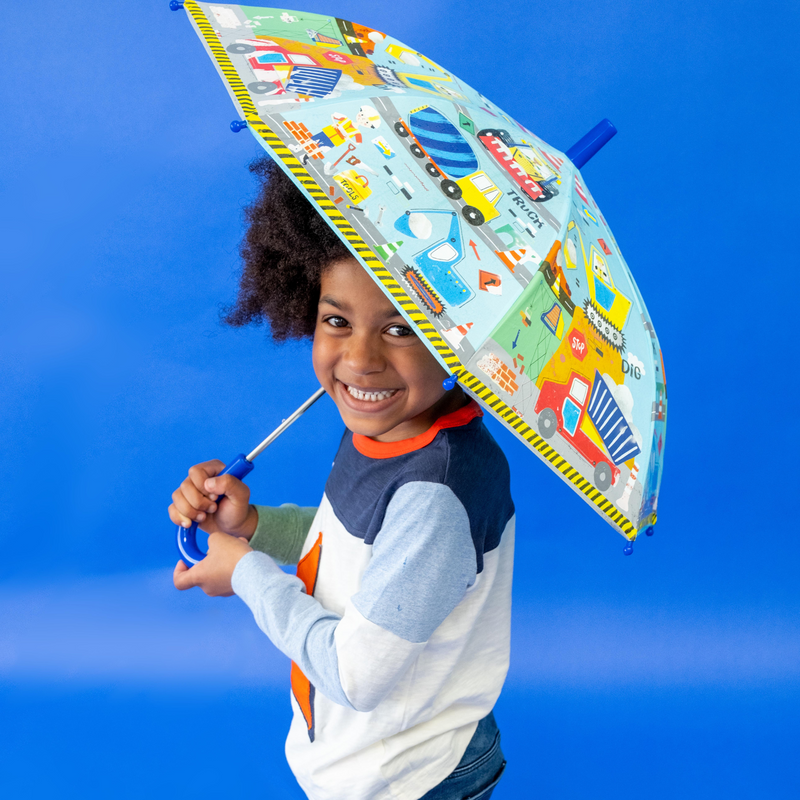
(196, 500)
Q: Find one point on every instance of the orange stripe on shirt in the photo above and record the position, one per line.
(307, 570)
(374, 449)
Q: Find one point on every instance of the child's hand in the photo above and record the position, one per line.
(196, 500)
(213, 574)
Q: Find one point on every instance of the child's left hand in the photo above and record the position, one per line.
(213, 574)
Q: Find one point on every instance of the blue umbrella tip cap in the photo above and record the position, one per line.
(650, 531)
(175, 5)
(449, 383)
(238, 125)
(628, 549)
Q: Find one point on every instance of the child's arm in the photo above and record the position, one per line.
(281, 532)
(423, 561)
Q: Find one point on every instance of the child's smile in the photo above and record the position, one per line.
(384, 381)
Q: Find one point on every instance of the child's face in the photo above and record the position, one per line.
(384, 381)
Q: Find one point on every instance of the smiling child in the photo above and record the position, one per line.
(398, 622)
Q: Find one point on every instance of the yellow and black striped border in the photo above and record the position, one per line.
(591, 493)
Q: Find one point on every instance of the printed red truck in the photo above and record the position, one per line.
(504, 157)
(564, 407)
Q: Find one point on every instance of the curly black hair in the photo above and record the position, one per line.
(285, 249)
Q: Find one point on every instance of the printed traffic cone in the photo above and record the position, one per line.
(513, 257)
(386, 251)
(456, 334)
(626, 494)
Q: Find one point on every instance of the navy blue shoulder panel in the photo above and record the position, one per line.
(479, 476)
(467, 459)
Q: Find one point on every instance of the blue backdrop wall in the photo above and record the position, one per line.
(675, 672)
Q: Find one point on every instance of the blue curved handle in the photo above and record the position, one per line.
(189, 552)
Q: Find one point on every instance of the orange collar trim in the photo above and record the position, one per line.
(374, 449)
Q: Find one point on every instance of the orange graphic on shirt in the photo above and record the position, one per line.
(303, 690)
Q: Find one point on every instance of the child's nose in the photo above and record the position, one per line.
(363, 355)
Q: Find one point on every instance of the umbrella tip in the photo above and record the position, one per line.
(449, 383)
(628, 549)
(584, 149)
(649, 531)
(175, 5)
(238, 125)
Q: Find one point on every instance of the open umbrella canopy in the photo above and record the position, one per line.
(485, 237)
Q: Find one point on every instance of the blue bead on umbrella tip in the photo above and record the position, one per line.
(449, 383)
(650, 531)
(628, 549)
(175, 5)
(238, 125)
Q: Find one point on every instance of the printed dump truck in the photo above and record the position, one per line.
(283, 65)
(586, 414)
(523, 164)
(451, 159)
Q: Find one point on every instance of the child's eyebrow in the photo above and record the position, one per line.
(330, 301)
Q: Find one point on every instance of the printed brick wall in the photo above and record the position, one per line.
(303, 135)
(501, 374)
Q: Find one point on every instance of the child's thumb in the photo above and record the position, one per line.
(231, 487)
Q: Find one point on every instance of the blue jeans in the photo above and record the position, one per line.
(479, 771)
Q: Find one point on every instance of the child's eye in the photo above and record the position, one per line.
(336, 322)
(399, 330)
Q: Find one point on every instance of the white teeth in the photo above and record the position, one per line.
(373, 397)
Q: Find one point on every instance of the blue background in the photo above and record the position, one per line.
(672, 673)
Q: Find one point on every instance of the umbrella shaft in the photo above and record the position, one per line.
(286, 423)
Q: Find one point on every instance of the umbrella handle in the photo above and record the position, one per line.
(189, 552)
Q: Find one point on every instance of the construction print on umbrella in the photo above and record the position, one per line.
(606, 308)
(286, 70)
(499, 372)
(584, 400)
(437, 263)
(457, 334)
(547, 291)
(354, 185)
(341, 130)
(512, 258)
(511, 235)
(529, 171)
(537, 322)
(384, 148)
(336, 34)
(449, 157)
(424, 291)
(396, 186)
(490, 282)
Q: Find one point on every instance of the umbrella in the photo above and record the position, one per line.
(486, 238)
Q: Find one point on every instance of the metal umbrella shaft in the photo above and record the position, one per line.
(189, 552)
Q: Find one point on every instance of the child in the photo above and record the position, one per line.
(398, 621)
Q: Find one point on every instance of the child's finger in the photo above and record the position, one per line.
(199, 473)
(178, 518)
(185, 507)
(236, 491)
(182, 577)
(195, 497)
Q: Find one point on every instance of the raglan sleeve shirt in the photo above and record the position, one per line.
(423, 561)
